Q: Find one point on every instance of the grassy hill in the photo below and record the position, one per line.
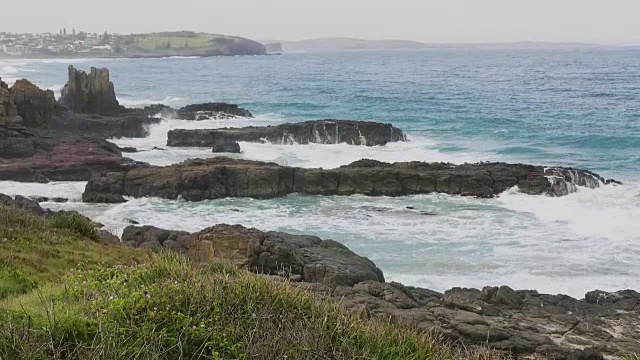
(65, 295)
(189, 43)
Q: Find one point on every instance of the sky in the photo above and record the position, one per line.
(613, 22)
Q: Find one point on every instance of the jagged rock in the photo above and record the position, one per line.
(524, 324)
(227, 147)
(221, 177)
(318, 131)
(321, 261)
(36, 107)
(91, 93)
(8, 110)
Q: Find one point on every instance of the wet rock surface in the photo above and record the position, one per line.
(221, 177)
(40, 155)
(317, 131)
(524, 324)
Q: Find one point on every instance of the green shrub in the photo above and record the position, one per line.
(13, 281)
(75, 223)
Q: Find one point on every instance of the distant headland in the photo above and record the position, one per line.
(93, 45)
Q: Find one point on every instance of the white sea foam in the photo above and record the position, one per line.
(135, 103)
(570, 244)
(464, 242)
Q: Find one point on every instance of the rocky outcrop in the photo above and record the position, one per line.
(524, 324)
(36, 107)
(91, 93)
(130, 123)
(210, 111)
(318, 131)
(196, 180)
(42, 155)
(304, 258)
(8, 110)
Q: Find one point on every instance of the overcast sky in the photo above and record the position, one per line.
(440, 21)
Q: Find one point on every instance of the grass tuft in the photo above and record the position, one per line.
(76, 223)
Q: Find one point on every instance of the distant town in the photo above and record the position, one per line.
(72, 43)
(61, 43)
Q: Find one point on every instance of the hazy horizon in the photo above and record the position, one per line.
(615, 22)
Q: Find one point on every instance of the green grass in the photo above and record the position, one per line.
(70, 297)
(154, 41)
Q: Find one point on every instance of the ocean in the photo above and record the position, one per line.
(570, 107)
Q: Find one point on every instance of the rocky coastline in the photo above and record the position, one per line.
(318, 131)
(523, 324)
(221, 177)
(43, 139)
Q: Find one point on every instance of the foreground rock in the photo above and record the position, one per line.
(522, 323)
(91, 93)
(196, 180)
(318, 131)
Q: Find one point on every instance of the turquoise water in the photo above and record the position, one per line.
(555, 107)
(571, 107)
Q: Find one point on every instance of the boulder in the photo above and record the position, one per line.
(318, 131)
(227, 147)
(36, 107)
(221, 177)
(91, 93)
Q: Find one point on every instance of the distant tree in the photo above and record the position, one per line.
(186, 44)
(74, 31)
(117, 48)
(82, 35)
(168, 44)
(60, 32)
(105, 36)
(64, 32)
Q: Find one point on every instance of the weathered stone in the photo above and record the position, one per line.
(221, 177)
(36, 107)
(151, 245)
(209, 111)
(8, 110)
(91, 93)
(108, 238)
(318, 131)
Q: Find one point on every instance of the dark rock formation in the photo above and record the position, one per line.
(91, 93)
(36, 107)
(318, 131)
(211, 111)
(308, 258)
(41, 155)
(196, 180)
(130, 123)
(524, 324)
(227, 147)
(8, 109)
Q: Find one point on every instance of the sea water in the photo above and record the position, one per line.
(571, 107)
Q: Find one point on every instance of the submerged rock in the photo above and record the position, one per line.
(227, 147)
(318, 131)
(221, 177)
